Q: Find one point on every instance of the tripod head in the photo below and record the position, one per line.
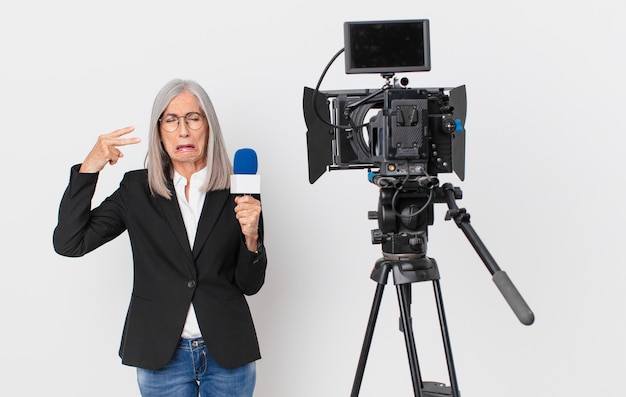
(405, 210)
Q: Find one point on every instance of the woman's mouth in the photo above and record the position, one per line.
(185, 148)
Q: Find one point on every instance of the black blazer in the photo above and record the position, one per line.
(168, 275)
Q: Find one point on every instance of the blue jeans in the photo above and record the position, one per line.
(192, 370)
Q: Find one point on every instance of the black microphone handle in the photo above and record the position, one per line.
(513, 297)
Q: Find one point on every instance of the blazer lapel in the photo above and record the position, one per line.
(214, 202)
(174, 217)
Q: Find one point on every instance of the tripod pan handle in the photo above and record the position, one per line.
(513, 298)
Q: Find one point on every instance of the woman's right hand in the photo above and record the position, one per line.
(106, 151)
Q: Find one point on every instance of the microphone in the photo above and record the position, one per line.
(245, 180)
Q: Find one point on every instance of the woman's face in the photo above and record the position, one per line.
(184, 133)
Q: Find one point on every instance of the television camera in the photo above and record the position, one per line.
(405, 137)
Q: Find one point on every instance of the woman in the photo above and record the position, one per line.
(197, 250)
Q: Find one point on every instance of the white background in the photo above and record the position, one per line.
(545, 83)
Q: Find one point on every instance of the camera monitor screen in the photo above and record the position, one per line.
(387, 46)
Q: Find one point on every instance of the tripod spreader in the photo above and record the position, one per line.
(500, 278)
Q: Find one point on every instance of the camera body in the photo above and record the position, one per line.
(410, 131)
(416, 132)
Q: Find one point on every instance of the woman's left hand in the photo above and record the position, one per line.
(248, 213)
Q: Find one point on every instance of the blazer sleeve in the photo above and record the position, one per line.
(250, 273)
(80, 229)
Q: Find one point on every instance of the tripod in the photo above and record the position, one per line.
(403, 217)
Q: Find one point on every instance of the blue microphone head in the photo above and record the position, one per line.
(245, 162)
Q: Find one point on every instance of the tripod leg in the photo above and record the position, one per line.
(369, 332)
(404, 291)
(446, 339)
